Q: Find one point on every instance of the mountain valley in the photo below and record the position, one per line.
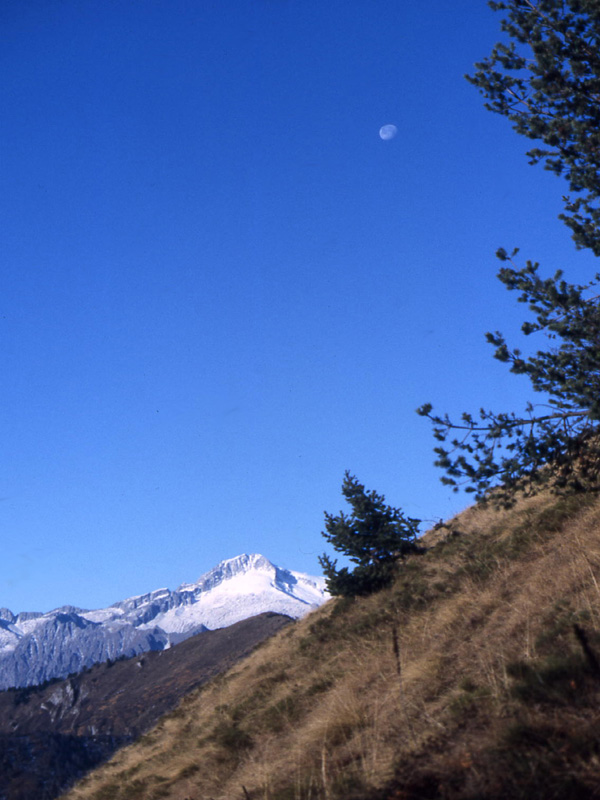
(52, 734)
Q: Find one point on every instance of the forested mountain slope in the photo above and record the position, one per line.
(475, 675)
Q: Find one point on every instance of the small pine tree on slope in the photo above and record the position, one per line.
(374, 536)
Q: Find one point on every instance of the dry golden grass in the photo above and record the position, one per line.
(428, 689)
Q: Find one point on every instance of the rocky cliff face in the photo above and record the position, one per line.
(63, 644)
(37, 647)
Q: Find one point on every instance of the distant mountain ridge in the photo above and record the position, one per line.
(35, 647)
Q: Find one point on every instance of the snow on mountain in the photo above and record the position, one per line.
(239, 588)
(35, 647)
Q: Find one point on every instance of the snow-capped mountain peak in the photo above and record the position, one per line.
(35, 647)
(239, 588)
(253, 571)
(228, 569)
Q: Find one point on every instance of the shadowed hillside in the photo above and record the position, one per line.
(52, 734)
(475, 676)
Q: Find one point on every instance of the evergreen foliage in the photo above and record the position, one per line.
(559, 445)
(546, 81)
(374, 536)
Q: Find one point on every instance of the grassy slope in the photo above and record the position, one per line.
(467, 679)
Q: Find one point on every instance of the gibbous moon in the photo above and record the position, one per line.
(388, 132)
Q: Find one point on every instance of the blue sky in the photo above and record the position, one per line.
(220, 288)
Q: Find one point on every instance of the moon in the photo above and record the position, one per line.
(388, 132)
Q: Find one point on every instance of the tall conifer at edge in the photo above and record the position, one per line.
(546, 82)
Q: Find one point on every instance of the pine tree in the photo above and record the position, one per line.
(374, 536)
(546, 81)
(558, 446)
